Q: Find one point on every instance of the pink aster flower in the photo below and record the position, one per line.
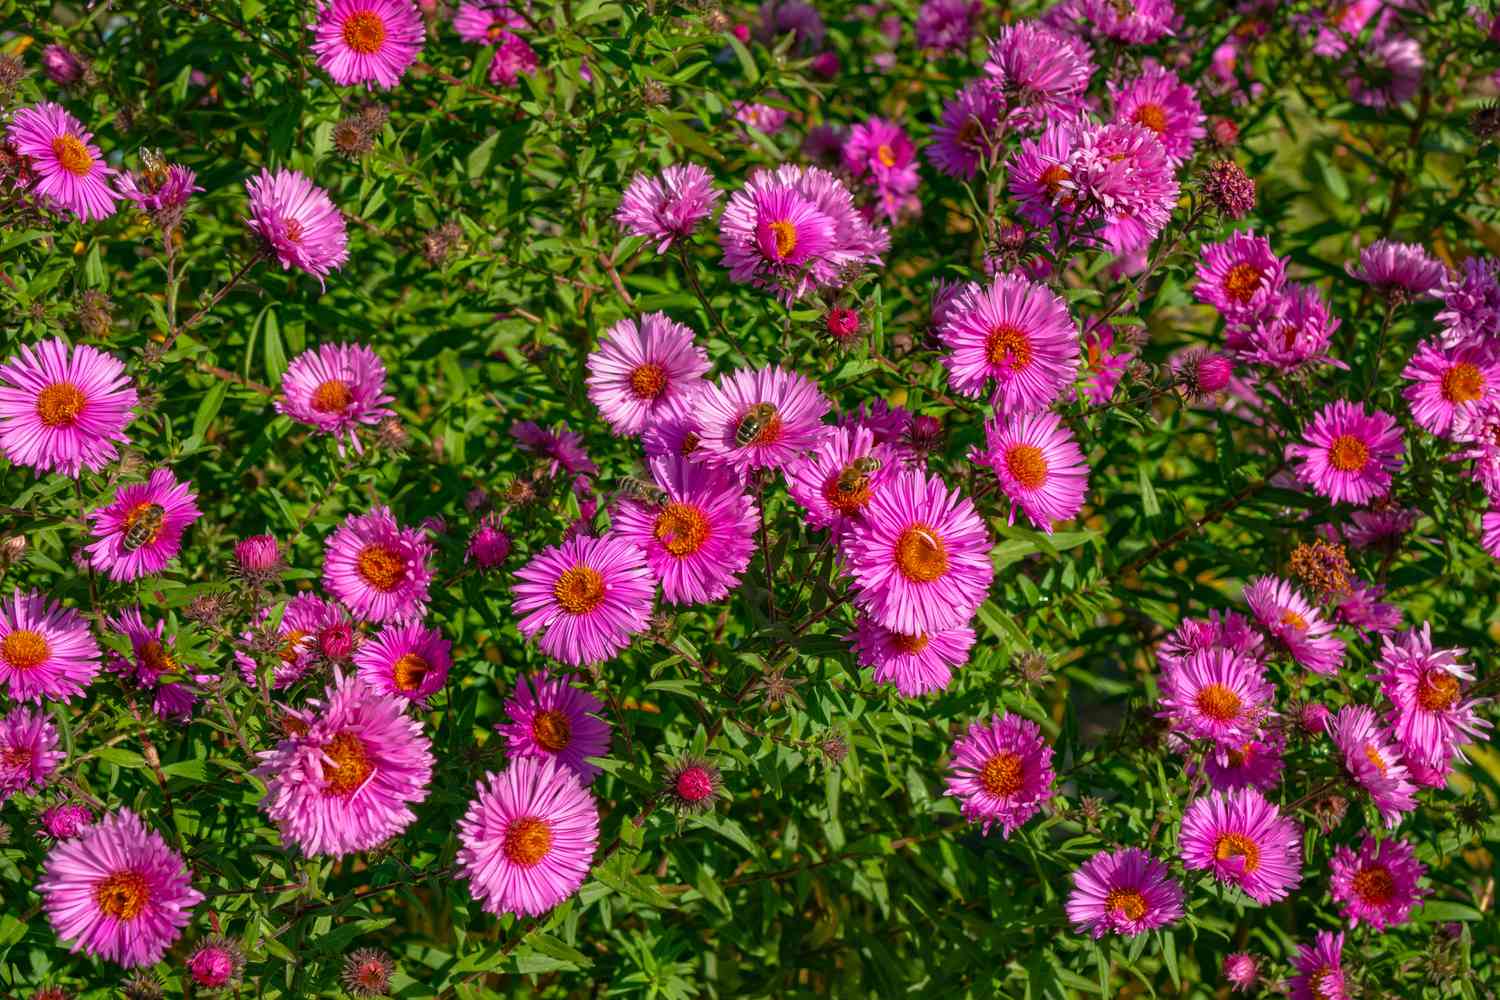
(215, 963)
(153, 658)
(1253, 764)
(1429, 716)
(1292, 620)
(551, 718)
(969, 132)
(1320, 970)
(141, 530)
(946, 25)
(765, 118)
(1372, 758)
(1241, 970)
(407, 661)
(1139, 22)
(377, 568)
(641, 367)
(1446, 381)
(1226, 630)
(1042, 74)
(68, 169)
(298, 221)
(835, 482)
(1362, 610)
(514, 58)
(335, 388)
(919, 556)
(779, 18)
(1119, 173)
(1125, 892)
(700, 539)
(1239, 275)
(1039, 465)
(674, 429)
(46, 650)
(1471, 305)
(1349, 453)
(1388, 73)
(118, 892)
(1404, 269)
(1377, 884)
(916, 664)
(485, 22)
(881, 152)
(1216, 695)
(670, 207)
(1293, 327)
(1381, 526)
(372, 42)
(528, 837)
(66, 820)
(1016, 332)
(160, 189)
(562, 446)
(1245, 841)
(1103, 370)
(62, 65)
(489, 544)
(1489, 528)
(1001, 772)
(758, 419)
(890, 425)
(1159, 101)
(586, 597)
(305, 622)
(347, 778)
(64, 410)
(28, 751)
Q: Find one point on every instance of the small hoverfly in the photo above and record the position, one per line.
(753, 423)
(144, 528)
(856, 474)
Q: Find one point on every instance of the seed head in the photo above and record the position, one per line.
(353, 138)
(1323, 566)
(1228, 188)
(833, 747)
(95, 314)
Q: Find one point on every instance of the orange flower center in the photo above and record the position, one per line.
(885, 155)
(682, 529)
(1002, 774)
(1027, 465)
(580, 589)
(1372, 754)
(24, 649)
(1463, 383)
(16, 757)
(1240, 756)
(1318, 983)
(59, 404)
(846, 502)
(293, 229)
(527, 841)
(1241, 282)
(350, 765)
(1237, 845)
(291, 646)
(73, 155)
(364, 32)
(155, 658)
(381, 566)
(911, 645)
(1152, 116)
(1348, 453)
(1437, 690)
(332, 396)
(1374, 885)
(689, 443)
(123, 895)
(1008, 346)
(1128, 902)
(552, 730)
(785, 234)
(1296, 621)
(409, 671)
(648, 380)
(1052, 178)
(920, 554)
(1218, 702)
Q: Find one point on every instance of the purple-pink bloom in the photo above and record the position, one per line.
(1446, 381)
(46, 650)
(1242, 970)
(372, 42)
(641, 367)
(1319, 969)
(1394, 268)
(298, 222)
(669, 207)
(377, 568)
(1125, 892)
(1016, 332)
(1292, 620)
(485, 22)
(1292, 327)
(1372, 758)
(66, 820)
(1120, 174)
(1388, 73)
(408, 661)
(1001, 772)
(1243, 840)
(28, 751)
(69, 169)
(160, 189)
(64, 409)
(140, 531)
(947, 25)
(62, 65)
(1239, 275)
(550, 717)
(1159, 101)
(916, 664)
(1348, 453)
(586, 597)
(563, 446)
(969, 131)
(1041, 74)
(1217, 695)
(1253, 764)
(761, 418)
(514, 58)
(305, 623)
(880, 151)
(834, 482)
(1471, 305)
(1378, 883)
(336, 388)
(489, 544)
(1039, 465)
(1430, 716)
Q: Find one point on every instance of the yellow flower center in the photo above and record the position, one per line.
(293, 229)
(364, 32)
(527, 841)
(409, 671)
(1372, 754)
(123, 895)
(1348, 453)
(351, 766)
(846, 502)
(1152, 116)
(1218, 702)
(920, 554)
(155, 658)
(73, 155)
(381, 566)
(1127, 902)
(291, 646)
(785, 234)
(1027, 465)
(1292, 618)
(1241, 282)
(885, 155)
(1002, 774)
(552, 730)
(682, 529)
(24, 649)
(1463, 383)
(648, 380)
(580, 589)
(1008, 346)
(59, 404)
(1052, 178)
(332, 396)
(1237, 845)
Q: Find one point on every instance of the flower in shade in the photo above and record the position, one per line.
(65, 820)
(1159, 101)
(153, 659)
(881, 152)
(551, 718)
(835, 482)
(791, 17)
(917, 663)
(1228, 188)
(1471, 304)
(1348, 453)
(1239, 275)
(1293, 327)
(140, 531)
(639, 368)
(1291, 619)
(367, 973)
(1124, 892)
(215, 963)
(1242, 970)
(528, 837)
(1383, 525)
(562, 446)
(1253, 764)
(485, 22)
(1405, 269)
(1371, 757)
(46, 650)
(377, 568)
(514, 58)
(1429, 716)
(586, 597)
(1001, 772)
(946, 25)
(1245, 841)
(691, 785)
(1217, 695)
(372, 42)
(64, 410)
(347, 777)
(335, 388)
(299, 637)
(919, 556)
(752, 419)
(28, 751)
(669, 207)
(62, 65)
(968, 132)
(1388, 73)
(1446, 383)
(68, 169)
(408, 661)
(298, 222)
(1362, 610)
(1319, 969)
(1042, 74)
(489, 544)
(1139, 22)
(1377, 883)
(1016, 332)
(1103, 369)
(117, 891)
(1039, 465)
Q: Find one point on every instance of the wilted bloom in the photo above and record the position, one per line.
(1125, 892)
(916, 664)
(1404, 269)
(550, 717)
(1361, 609)
(64, 409)
(377, 568)
(691, 785)
(586, 597)
(304, 621)
(408, 661)
(372, 42)
(670, 207)
(1001, 772)
(1429, 716)
(69, 169)
(336, 388)
(1159, 101)
(1319, 970)
(1348, 453)
(1387, 73)
(1291, 327)
(140, 530)
(1039, 465)
(65, 820)
(1015, 332)
(1229, 188)
(1377, 883)
(1245, 841)
(28, 751)
(1372, 759)
(215, 963)
(641, 367)
(794, 17)
(968, 132)
(298, 222)
(367, 973)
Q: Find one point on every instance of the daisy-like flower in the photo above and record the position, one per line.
(485, 22)
(1382, 526)
(586, 597)
(335, 388)
(140, 531)
(1292, 620)
(1378, 883)
(1293, 327)
(305, 621)
(1349, 452)
(1319, 969)
(880, 151)
(1403, 269)
(1242, 970)
(348, 777)
(562, 446)
(641, 367)
(372, 42)
(759, 419)
(1120, 174)
(298, 222)
(1388, 74)
(1239, 275)
(1372, 758)
(969, 131)
(408, 661)
(916, 664)
(377, 568)
(1254, 764)
(528, 838)
(834, 483)
(1040, 73)
(1039, 175)
(691, 785)
(1216, 695)
(1226, 630)
(1429, 716)
(1139, 22)
(674, 429)
(1001, 772)
(69, 170)
(1362, 610)
(1245, 841)
(700, 540)
(946, 25)
(551, 718)
(46, 650)
(1446, 381)
(160, 189)
(153, 659)
(215, 963)
(118, 892)
(1159, 101)
(514, 58)
(765, 118)
(1125, 892)
(1471, 305)
(919, 556)
(1103, 370)
(1039, 465)
(65, 820)
(1016, 332)
(64, 410)
(28, 751)
(668, 208)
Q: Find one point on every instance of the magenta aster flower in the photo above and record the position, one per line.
(1124, 892)
(1489, 526)
(28, 751)
(835, 482)
(551, 718)
(62, 65)
(1226, 630)
(1239, 275)
(1398, 268)
(141, 530)
(1388, 73)
(587, 597)
(1446, 381)
(258, 558)
(1471, 305)
(969, 131)
(1245, 841)
(215, 963)
(1429, 716)
(1292, 327)
(1242, 970)
(881, 152)
(1362, 610)
(514, 58)
(947, 25)
(779, 18)
(1255, 764)
(1292, 620)
(1139, 22)
(670, 207)
(46, 650)
(1349, 453)
(298, 221)
(766, 118)
(528, 838)
(1319, 968)
(919, 556)
(640, 368)
(1383, 525)
(692, 785)
(759, 419)
(700, 540)
(64, 410)
(1377, 884)
(916, 664)
(1373, 760)
(489, 544)
(1041, 74)
(377, 568)
(1001, 772)
(372, 42)
(674, 429)
(1216, 695)
(1039, 174)
(1039, 465)
(408, 661)
(1016, 332)
(153, 659)
(335, 388)
(66, 820)
(485, 22)
(1159, 101)
(1103, 370)
(563, 446)
(118, 892)
(305, 621)
(68, 169)
(160, 189)
(1120, 174)
(346, 780)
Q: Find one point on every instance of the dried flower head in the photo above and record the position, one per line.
(208, 610)
(142, 984)
(12, 72)
(776, 688)
(367, 973)
(1228, 188)
(1323, 567)
(1485, 123)
(833, 747)
(1032, 667)
(438, 244)
(391, 435)
(1329, 811)
(353, 138)
(654, 93)
(95, 314)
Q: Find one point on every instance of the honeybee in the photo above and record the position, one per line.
(642, 491)
(753, 423)
(153, 170)
(856, 474)
(144, 528)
